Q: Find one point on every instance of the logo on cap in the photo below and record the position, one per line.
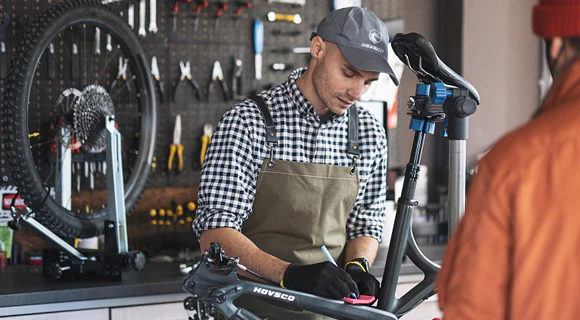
(375, 36)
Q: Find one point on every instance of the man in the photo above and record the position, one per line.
(515, 253)
(274, 199)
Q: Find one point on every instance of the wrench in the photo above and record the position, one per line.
(97, 41)
(142, 9)
(109, 45)
(50, 61)
(4, 19)
(153, 16)
(131, 16)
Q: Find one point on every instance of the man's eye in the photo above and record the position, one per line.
(348, 75)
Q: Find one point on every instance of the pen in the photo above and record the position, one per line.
(329, 257)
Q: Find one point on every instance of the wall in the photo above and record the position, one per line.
(491, 44)
(420, 16)
(501, 58)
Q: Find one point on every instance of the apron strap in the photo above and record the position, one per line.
(271, 138)
(353, 148)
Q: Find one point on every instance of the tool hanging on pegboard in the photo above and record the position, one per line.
(176, 147)
(157, 77)
(217, 75)
(198, 6)
(186, 76)
(273, 16)
(237, 87)
(301, 3)
(218, 17)
(258, 47)
(153, 16)
(4, 22)
(205, 140)
(241, 5)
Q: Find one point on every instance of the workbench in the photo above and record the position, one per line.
(157, 293)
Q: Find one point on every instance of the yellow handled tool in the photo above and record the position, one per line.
(273, 16)
(176, 146)
(205, 140)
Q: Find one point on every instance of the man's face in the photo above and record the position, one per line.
(337, 83)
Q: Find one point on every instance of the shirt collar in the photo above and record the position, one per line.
(299, 100)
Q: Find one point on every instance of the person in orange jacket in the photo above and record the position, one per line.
(515, 253)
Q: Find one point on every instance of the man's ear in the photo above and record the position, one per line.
(317, 47)
(555, 47)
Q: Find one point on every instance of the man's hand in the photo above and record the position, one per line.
(322, 279)
(367, 283)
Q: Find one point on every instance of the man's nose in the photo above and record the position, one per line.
(356, 90)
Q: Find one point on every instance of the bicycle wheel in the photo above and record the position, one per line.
(57, 85)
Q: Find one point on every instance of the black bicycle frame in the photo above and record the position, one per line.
(443, 95)
(216, 285)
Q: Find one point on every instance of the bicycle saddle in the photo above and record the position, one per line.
(418, 53)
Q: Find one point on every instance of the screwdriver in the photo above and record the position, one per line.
(174, 15)
(258, 46)
(198, 7)
(221, 8)
(175, 12)
(238, 14)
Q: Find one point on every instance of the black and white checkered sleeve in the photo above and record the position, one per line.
(227, 185)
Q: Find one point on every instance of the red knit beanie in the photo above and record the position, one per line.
(556, 18)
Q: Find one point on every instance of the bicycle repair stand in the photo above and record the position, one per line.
(115, 262)
(443, 95)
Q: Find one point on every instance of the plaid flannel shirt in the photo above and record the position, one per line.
(234, 158)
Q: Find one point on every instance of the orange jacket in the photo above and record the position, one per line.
(516, 252)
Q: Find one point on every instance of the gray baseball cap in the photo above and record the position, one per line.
(361, 36)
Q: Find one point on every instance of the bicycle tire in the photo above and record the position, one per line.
(23, 80)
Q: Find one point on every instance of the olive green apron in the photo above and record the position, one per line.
(298, 208)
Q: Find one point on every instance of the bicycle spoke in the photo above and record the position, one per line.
(114, 54)
(75, 67)
(45, 94)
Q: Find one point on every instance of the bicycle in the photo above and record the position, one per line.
(443, 95)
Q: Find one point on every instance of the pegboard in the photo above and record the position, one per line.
(232, 37)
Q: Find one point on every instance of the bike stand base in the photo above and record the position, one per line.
(103, 265)
(98, 266)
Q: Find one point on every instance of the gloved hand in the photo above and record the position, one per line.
(367, 283)
(322, 279)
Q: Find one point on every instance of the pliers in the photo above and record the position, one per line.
(186, 74)
(155, 73)
(217, 75)
(205, 140)
(121, 76)
(176, 146)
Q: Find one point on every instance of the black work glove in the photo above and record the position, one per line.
(367, 283)
(322, 279)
